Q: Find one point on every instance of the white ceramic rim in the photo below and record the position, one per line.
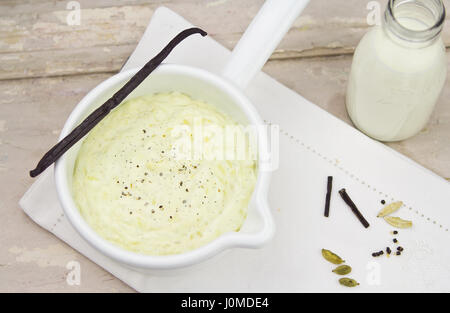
(225, 241)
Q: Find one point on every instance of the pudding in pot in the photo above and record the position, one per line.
(137, 185)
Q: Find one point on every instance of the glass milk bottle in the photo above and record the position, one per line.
(398, 71)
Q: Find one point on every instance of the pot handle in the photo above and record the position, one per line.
(261, 38)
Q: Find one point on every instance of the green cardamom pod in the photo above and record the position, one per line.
(397, 222)
(342, 270)
(348, 282)
(390, 208)
(331, 257)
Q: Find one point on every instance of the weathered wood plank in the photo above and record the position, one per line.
(12, 7)
(30, 42)
(110, 25)
(104, 59)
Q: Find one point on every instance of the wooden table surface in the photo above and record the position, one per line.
(47, 66)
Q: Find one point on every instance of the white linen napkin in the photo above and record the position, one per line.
(313, 145)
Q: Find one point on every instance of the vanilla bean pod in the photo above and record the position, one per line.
(95, 117)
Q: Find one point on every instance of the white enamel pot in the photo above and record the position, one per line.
(225, 92)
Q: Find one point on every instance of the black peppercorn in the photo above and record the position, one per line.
(395, 240)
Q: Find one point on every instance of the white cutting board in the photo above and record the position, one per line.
(313, 145)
